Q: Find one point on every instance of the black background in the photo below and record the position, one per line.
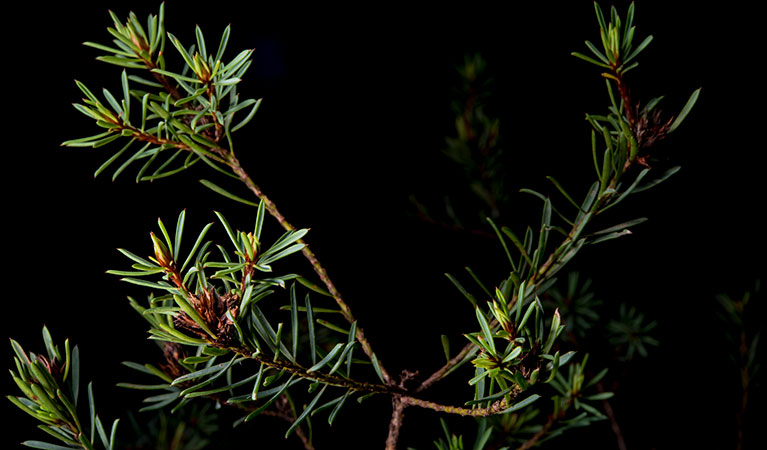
(355, 111)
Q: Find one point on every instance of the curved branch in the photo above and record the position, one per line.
(309, 255)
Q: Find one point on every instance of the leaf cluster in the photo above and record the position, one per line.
(50, 384)
(213, 320)
(191, 111)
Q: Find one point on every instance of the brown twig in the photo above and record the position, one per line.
(530, 443)
(397, 416)
(744, 382)
(439, 374)
(613, 421)
(318, 268)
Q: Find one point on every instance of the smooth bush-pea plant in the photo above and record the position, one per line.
(236, 331)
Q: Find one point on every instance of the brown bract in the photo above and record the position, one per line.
(52, 366)
(650, 128)
(173, 353)
(212, 307)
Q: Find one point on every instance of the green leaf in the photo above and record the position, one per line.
(553, 332)
(347, 348)
(621, 226)
(160, 401)
(446, 346)
(335, 411)
(280, 390)
(130, 160)
(465, 293)
(236, 64)
(178, 77)
(503, 243)
(144, 81)
(178, 234)
(595, 412)
(306, 412)
(267, 333)
(610, 236)
(228, 82)
(217, 374)
(331, 326)
(310, 323)
(629, 190)
(588, 202)
(44, 445)
(306, 283)
(201, 43)
(112, 159)
(686, 110)
(597, 378)
(219, 190)
(143, 387)
(600, 16)
(112, 434)
(181, 50)
(87, 92)
(636, 51)
(171, 310)
(589, 59)
(249, 116)
(327, 358)
(486, 333)
(222, 45)
(513, 354)
(600, 396)
(229, 232)
(168, 243)
(490, 398)
(528, 312)
(666, 175)
(269, 257)
(598, 54)
(113, 102)
(377, 367)
(92, 411)
(85, 141)
(477, 280)
(517, 243)
(109, 49)
(146, 283)
(294, 318)
(49, 346)
(197, 243)
(102, 433)
(522, 404)
(257, 385)
(203, 372)
(284, 241)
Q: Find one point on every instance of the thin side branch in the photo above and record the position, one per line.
(530, 443)
(495, 408)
